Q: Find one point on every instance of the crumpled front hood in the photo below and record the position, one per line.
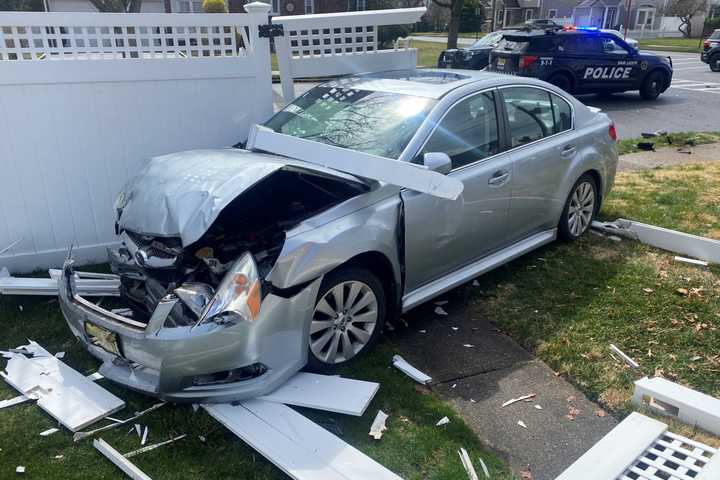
(182, 194)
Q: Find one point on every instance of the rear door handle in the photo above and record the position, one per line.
(499, 178)
(569, 150)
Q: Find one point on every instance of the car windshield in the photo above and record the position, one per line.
(488, 40)
(379, 123)
(715, 35)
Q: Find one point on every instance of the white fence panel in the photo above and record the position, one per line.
(86, 98)
(330, 44)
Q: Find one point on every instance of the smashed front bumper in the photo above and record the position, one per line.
(208, 363)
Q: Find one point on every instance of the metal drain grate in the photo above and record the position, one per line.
(670, 457)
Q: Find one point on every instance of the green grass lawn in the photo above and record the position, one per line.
(444, 34)
(693, 45)
(428, 52)
(568, 302)
(413, 446)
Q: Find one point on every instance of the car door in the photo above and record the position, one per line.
(443, 235)
(539, 132)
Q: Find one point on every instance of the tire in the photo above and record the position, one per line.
(339, 335)
(579, 211)
(652, 86)
(715, 62)
(562, 81)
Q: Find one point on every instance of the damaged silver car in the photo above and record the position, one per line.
(365, 197)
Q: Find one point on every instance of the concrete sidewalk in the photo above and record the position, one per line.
(477, 380)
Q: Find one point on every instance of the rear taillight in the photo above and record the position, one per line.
(612, 133)
(706, 44)
(527, 60)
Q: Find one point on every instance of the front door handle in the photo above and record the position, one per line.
(499, 178)
(569, 150)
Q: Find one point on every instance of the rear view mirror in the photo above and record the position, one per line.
(437, 162)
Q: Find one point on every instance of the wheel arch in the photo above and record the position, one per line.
(379, 265)
(567, 73)
(595, 174)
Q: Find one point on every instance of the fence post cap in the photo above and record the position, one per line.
(257, 7)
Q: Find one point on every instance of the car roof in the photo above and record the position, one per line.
(423, 82)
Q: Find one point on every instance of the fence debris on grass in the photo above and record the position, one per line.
(410, 371)
(378, 426)
(629, 361)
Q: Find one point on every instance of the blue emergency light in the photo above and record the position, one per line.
(588, 29)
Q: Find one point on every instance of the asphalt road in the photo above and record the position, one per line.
(692, 103)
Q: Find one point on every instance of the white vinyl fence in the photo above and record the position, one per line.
(87, 98)
(327, 44)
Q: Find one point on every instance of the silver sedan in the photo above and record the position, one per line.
(362, 199)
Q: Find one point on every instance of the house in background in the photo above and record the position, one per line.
(278, 7)
(514, 12)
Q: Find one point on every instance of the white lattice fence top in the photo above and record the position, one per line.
(333, 34)
(670, 457)
(35, 37)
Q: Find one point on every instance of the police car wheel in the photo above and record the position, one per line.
(561, 81)
(579, 209)
(652, 86)
(715, 62)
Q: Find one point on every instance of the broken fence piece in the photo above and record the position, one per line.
(22, 398)
(144, 435)
(671, 240)
(467, 464)
(310, 390)
(378, 426)
(693, 261)
(484, 467)
(49, 431)
(410, 371)
(442, 421)
(65, 394)
(519, 399)
(674, 400)
(153, 446)
(88, 284)
(19, 469)
(639, 446)
(119, 460)
(440, 311)
(522, 424)
(629, 361)
(80, 435)
(297, 446)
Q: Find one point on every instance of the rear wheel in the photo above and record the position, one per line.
(348, 318)
(715, 62)
(652, 86)
(561, 81)
(579, 209)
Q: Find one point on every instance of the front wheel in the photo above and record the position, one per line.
(715, 62)
(348, 318)
(579, 209)
(652, 86)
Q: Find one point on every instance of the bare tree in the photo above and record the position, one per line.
(686, 10)
(126, 6)
(455, 7)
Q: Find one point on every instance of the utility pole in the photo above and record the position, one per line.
(627, 16)
(494, 15)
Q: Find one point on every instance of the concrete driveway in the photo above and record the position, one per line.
(476, 380)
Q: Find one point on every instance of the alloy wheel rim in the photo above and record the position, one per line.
(581, 208)
(343, 322)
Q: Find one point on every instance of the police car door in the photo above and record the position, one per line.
(607, 66)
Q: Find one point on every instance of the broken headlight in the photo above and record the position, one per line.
(238, 297)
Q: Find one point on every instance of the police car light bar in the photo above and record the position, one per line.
(584, 29)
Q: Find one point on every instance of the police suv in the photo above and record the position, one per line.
(582, 60)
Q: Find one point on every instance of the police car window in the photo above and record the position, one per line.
(530, 114)
(562, 114)
(469, 131)
(610, 46)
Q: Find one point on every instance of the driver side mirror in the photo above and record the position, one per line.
(438, 162)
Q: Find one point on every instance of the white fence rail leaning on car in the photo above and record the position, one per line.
(86, 98)
(329, 44)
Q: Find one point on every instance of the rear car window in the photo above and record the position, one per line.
(512, 45)
(586, 44)
(715, 35)
(534, 114)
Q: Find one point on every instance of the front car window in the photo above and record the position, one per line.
(715, 35)
(610, 46)
(468, 132)
(379, 123)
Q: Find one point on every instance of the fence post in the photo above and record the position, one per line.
(284, 58)
(263, 98)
